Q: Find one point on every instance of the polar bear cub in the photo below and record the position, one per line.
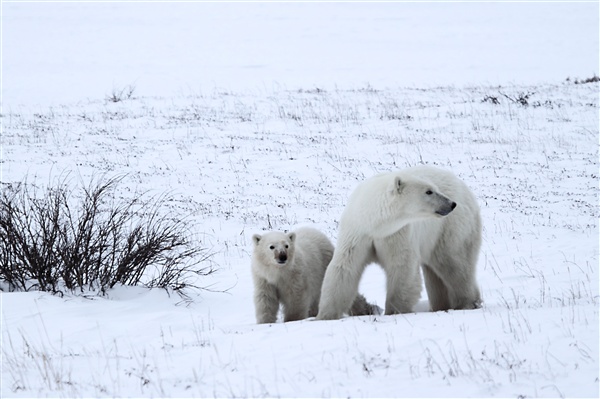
(419, 217)
(288, 269)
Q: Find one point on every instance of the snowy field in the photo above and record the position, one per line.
(255, 130)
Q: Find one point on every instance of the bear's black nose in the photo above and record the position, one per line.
(282, 258)
(446, 209)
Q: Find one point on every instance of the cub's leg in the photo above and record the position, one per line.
(266, 301)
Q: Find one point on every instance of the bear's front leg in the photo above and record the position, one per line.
(266, 301)
(340, 285)
(294, 298)
(294, 313)
(403, 290)
(403, 276)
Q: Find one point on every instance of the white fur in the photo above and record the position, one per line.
(295, 283)
(288, 269)
(403, 220)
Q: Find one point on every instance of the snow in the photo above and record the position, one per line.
(57, 52)
(265, 116)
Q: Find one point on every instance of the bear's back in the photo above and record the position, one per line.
(312, 248)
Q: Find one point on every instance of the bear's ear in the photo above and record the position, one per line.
(398, 185)
(256, 238)
(292, 236)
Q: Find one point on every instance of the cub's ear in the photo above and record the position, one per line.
(256, 238)
(292, 236)
(398, 185)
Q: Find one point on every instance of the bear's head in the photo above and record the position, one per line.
(274, 248)
(419, 199)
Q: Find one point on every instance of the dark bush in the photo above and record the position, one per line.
(593, 79)
(61, 240)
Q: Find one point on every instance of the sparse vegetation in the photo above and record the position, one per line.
(595, 78)
(118, 95)
(491, 99)
(254, 160)
(57, 238)
(520, 98)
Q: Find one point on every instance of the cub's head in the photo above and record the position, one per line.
(274, 248)
(419, 199)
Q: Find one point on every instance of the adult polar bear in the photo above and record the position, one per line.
(419, 216)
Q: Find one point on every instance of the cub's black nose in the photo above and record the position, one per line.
(282, 258)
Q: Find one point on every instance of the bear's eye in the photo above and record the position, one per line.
(287, 246)
(428, 192)
(272, 247)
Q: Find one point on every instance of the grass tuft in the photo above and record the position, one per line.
(118, 95)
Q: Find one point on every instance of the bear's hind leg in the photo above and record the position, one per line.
(463, 292)
(467, 297)
(360, 307)
(436, 290)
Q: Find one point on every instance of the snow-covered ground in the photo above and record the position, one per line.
(57, 52)
(265, 116)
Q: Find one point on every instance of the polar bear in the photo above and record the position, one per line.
(288, 268)
(417, 217)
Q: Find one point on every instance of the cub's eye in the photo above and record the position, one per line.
(428, 192)
(272, 247)
(287, 246)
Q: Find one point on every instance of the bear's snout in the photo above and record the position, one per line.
(446, 209)
(281, 257)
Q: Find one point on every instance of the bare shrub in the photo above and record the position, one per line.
(578, 81)
(118, 95)
(47, 243)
